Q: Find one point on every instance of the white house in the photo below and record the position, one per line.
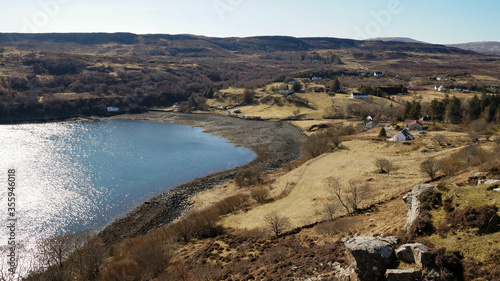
(359, 96)
(113, 109)
(440, 88)
(404, 135)
(378, 74)
(440, 78)
(370, 118)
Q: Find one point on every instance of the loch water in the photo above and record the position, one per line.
(77, 176)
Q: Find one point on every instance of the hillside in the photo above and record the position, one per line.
(480, 47)
(398, 39)
(284, 215)
(47, 76)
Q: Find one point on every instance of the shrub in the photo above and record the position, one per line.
(122, 270)
(448, 205)
(430, 167)
(332, 228)
(440, 139)
(449, 263)
(383, 165)
(151, 257)
(450, 166)
(430, 199)
(320, 143)
(247, 96)
(422, 225)
(230, 204)
(249, 176)
(485, 218)
(260, 194)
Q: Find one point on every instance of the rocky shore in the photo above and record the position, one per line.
(275, 143)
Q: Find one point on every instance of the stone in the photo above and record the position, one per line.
(405, 254)
(496, 189)
(491, 182)
(371, 256)
(432, 275)
(411, 200)
(410, 274)
(345, 273)
(422, 256)
(414, 253)
(480, 174)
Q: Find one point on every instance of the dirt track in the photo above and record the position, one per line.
(276, 143)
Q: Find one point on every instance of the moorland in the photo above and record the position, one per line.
(284, 221)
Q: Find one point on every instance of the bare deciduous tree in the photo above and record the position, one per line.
(355, 193)
(476, 128)
(383, 165)
(88, 258)
(450, 166)
(330, 209)
(430, 166)
(335, 189)
(440, 139)
(277, 224)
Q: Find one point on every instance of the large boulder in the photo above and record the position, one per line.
(371, 256)
(410, 274)
(414, 253)
(411, 200)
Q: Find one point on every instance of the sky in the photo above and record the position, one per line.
(439, 22)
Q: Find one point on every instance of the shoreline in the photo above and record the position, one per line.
(275, 143)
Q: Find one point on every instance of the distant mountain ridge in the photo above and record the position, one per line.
(398, 39)
(487, 47)
(225, 46)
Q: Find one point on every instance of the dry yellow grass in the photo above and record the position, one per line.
(304, 187)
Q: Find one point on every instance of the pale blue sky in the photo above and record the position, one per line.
(445, 21)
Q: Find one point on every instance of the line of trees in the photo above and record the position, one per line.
(456, 111)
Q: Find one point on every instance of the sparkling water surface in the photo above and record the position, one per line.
(77, 176)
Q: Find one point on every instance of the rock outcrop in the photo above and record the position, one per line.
(370, 256)
(413, 203)
(414, 253)
(410, 274)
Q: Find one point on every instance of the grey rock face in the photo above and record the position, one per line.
(411, 274)
(414, 253)
(411, 200)
(371, 256)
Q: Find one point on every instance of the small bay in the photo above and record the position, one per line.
(77, 176)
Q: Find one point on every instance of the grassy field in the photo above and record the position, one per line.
(301, 194)
(484, 247)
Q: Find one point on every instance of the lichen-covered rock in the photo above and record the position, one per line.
(414, 253)
(432, 275)
(371, 256)
(411, 200)
(410, 274)
(345, 273)
(405, 254)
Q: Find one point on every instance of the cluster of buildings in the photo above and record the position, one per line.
(404, 135)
